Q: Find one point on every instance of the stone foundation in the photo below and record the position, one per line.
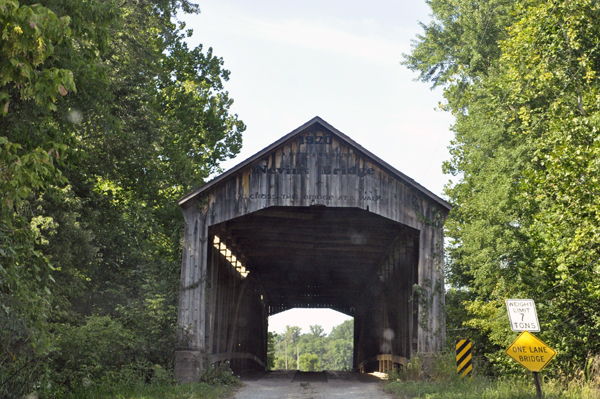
(188, 365)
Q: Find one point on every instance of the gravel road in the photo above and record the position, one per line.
(299, 385)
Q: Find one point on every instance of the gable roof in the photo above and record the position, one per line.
(317, 120)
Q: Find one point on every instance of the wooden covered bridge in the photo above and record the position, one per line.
(314, 221)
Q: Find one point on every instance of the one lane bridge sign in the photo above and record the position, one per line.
(530, 352)
(522, 315)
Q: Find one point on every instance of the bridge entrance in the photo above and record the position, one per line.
(313, 221)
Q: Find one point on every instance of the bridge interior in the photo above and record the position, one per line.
(278, 258)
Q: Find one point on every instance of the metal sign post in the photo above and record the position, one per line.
(533, 354)
(538, 387)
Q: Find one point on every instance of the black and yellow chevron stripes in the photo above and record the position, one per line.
(464, 366)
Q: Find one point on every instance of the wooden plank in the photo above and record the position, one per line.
(212, 307)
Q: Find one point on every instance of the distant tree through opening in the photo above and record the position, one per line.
(311, 339)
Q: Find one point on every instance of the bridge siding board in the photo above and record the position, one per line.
(236, 196)
(213, 273)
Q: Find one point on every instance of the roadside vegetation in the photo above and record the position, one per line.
(437, 378)
(107, 117)
(156, 391)
(521, 78)
(215, 383)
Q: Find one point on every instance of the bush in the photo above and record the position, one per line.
(412, 372)
(221, 374)
(20, 358)
(94, 352)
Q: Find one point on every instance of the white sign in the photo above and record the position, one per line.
(522, 315)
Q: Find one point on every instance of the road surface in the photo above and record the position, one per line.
(303, 385)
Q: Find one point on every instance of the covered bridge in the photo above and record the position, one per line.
(316, 221)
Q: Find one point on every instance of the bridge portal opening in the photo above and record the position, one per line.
(346, 259)
(313, 339)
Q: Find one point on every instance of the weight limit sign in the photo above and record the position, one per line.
(522, 315)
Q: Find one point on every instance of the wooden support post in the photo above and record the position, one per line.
(212, 303)
(191, 319)
(234, 323)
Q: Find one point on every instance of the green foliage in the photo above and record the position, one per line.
(310, 362)
(271, 338)
(317, 351)
(219, 375)
(412, 372)
(525, 156)
(339, 354)
(29, 34)
(292, 334)
(88, 354)
(107, 119)
(461, 42)
(343, 331)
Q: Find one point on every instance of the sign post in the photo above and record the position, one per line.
(531, 353)
(538, 387)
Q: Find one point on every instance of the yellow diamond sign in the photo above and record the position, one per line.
(530, 352)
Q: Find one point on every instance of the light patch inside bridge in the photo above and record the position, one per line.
(231, 258)
(306, 317)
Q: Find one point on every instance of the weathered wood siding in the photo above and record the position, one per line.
(192, 300)
(236, 316)
(192, 297)
(328, 173)
(317, 168)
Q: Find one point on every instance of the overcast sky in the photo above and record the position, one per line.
(296, 59)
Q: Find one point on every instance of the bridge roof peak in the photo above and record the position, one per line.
(311, 125)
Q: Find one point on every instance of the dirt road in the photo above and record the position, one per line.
(301, 385)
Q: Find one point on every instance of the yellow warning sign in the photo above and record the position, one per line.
(530, 352)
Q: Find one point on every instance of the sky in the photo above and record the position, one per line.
(338, 59)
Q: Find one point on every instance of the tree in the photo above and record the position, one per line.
(525, 150)
(333, 352)
(91, 176)
(343, 331)
(29, 34)
(339, 354)
(309, 362)
(317, 331)
(271, 338)
(292, 334)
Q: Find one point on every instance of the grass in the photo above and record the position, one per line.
(441, 381)
(217, 383)
(482, 388)
(156, 391)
